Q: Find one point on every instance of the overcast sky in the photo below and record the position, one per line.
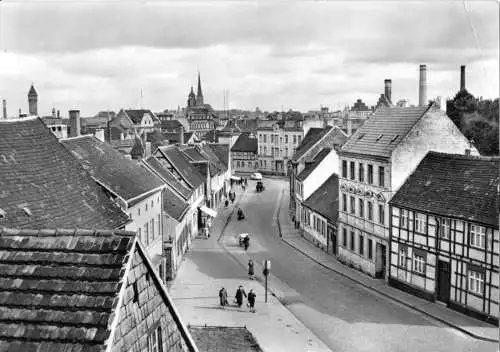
(97, 55)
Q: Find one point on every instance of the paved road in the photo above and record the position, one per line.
(344, 315)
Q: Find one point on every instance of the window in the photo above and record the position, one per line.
(420, 223)
(345, 237)
(370, 249)
(299, 139)
(477, 236)
(402, 258)
(444, 228)
(152, 204)
(381, 214)
(352, 240)
(260, 138)
(361, 205)
(281, 140)
(139, 234)
(286, 138)
(353, 205)
(418, 263)
(265, 150)
(155, 341)
(476, 282)
(158, 224)
(344, 202)
(286, 152)
(361, 173)
(272, 138)
(381, 176)
(138, 211)
(146, 233)
(152, 225)
(370, 210)
(294, 139)
(361, 245)
(403, 220)
(146, 207)
(344, 168)
(370, 174)
(265, 138)
(353, 168)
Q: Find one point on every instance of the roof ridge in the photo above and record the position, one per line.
(20, 119)
(77, 137)
(466, 157)
(5, 231)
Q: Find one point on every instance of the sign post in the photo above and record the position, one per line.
(267, 268)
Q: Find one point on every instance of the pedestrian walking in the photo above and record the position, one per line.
(223, 297)
(240, 293)
(250, 269)
(251, 301)
(226, 202)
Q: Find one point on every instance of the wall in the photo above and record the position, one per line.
(138, 319)
(286, 145)
(240, 162)
(433, 132)
(328, 166)
(317, 232)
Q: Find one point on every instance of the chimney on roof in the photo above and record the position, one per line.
(53, 112)
(181, 135)
(462, 77)
(422, 92)
(74, 123)
(20, 112)
(4, 104)
(388, 89)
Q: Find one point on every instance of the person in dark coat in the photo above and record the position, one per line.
(223, 297)
(250, 269)
(240, 293)
(251, 300)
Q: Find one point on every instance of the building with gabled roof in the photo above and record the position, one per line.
(244, 154)
(321, 214)
(135, 189)
(375, 161)
(42, 185)
(444, 233)
(84, 290)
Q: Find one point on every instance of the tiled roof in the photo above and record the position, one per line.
(222, 152)
(156, 138)
(137, 115)
(51, 121)
(122, 176)
(172, 137)
(211, 155)
(187, 136)
(311, 166)
(174, 205)
(60, 287)
(227, 339)
(167, 176)
(247, 125)
(42, 185)
(311, 138)
(325, 200)
(456, 186)
(138, 150)
(182, 165)
(170, 125)
(245, 144)
(193, 154)
(265, 124)
(211, 136)
(383, 131)
(292, 125)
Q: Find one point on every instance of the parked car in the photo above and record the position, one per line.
(259, 187)
(256, 176)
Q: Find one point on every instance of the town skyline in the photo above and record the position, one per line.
(296, 56)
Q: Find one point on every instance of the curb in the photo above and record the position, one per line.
(459, 328)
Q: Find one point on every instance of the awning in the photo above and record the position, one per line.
(208, 211)
(236, 178)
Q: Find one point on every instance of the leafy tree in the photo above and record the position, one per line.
(462, 103)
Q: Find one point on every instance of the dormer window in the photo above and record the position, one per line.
(361, 136)
(394, 138)
(379, 137)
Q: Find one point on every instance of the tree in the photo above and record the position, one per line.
(462, 103)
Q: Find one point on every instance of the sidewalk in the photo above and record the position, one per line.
(461, 322)
(207, 268)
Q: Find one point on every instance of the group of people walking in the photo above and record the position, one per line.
(238, 298)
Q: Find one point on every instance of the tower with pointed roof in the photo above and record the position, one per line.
(199, 93)
(191, 98)
(33, 101)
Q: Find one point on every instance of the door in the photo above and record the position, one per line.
(380, 261)
(443, 284)
(333, 241)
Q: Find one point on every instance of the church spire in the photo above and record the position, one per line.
(199, 95)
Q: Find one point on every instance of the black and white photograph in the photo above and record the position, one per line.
(249, 176)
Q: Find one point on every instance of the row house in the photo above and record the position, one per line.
(315, 173)
(84, 290)
(42, 184)
(315, 140)
(277, 141)
(320, 211)
(244, 155)
(133, 188)
(132, 122)
(178, 225)
(444, 241)
(219, 182)
(222, 151)
(375, 161)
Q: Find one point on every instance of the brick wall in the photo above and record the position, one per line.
(138, 319)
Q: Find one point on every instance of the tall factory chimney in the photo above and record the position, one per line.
(74, 123)
(462, 77)
(422, 92)
(4, 104)
(388, 89)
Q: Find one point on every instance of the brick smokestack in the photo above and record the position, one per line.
(422, 91)
(462, 77)
(4, 105)
(388, 89)
(74, 123)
